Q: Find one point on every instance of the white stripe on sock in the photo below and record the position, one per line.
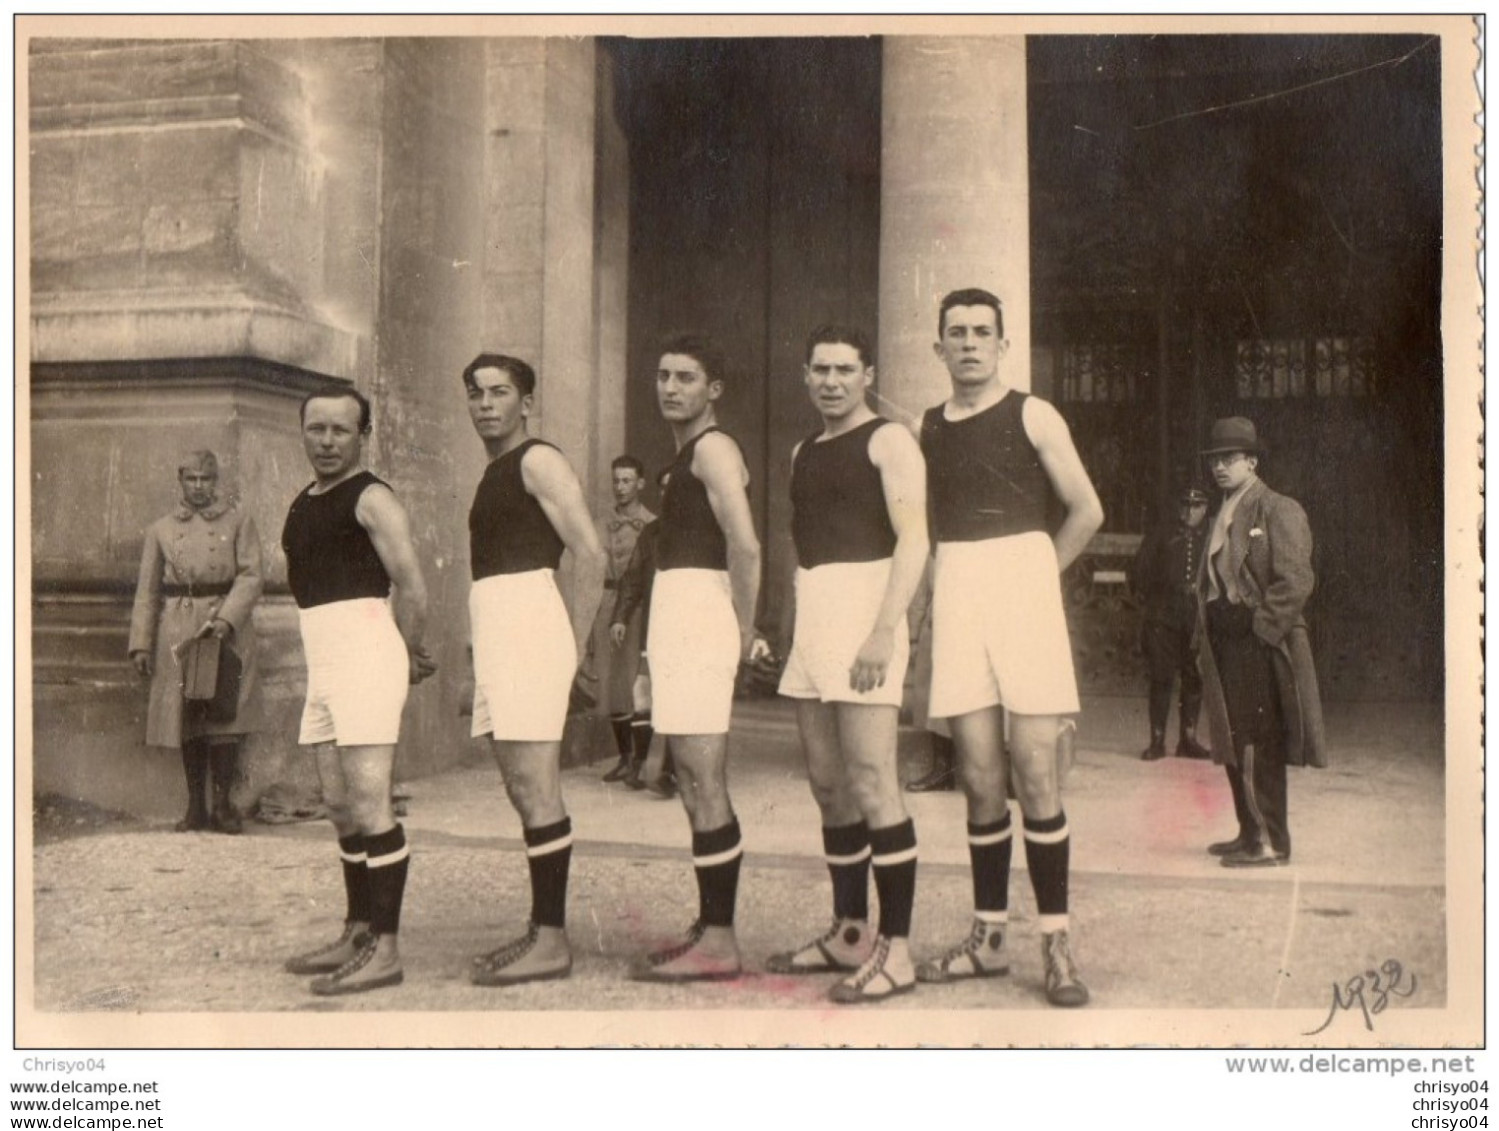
(853, 858)
(563, 841)
(895, 857)
(992, 838)
(392, 858)
(1056, 837)
(718, 857)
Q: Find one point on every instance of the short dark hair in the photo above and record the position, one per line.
(701, 349)
(971, 296)
(335, 393)
(627, 463)
(521, 373)
(834, 334)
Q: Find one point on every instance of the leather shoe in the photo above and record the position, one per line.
(1189, 747)
(621, 768)
(937, 778)
(1230, 847)
(1256, 858)
(1154, 752)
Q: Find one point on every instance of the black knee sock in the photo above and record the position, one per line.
(620, 725)
(387, 861)
(716, 856)
(641, 735)
(989, 849)
(356, 877)
(847, 850)
(895, 876)
(1047, 856)
(549, 854)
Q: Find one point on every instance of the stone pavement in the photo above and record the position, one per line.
(152, 921)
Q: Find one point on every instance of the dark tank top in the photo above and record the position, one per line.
(329, 556)
(690, 537)
(838, 511)
(984, 478)
(508, 532)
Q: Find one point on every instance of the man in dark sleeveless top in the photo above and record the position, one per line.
(362, 604)
(858, 495)
(701, 629)
(528, 508)
(996, 460)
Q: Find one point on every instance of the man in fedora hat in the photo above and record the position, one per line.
(1260, 687)
(1164, 574)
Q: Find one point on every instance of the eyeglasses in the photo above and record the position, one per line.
(1226, 460)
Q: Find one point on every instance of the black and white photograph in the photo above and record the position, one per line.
(744, 532)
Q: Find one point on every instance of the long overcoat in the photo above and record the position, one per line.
(1269, 551)
(185, 549)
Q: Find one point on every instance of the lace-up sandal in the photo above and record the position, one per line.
(689, 961)
(1063, 987)
(355, 975)
(843, 946)
(874, 981)
(518, 961)
(328, 958)
(981, 955)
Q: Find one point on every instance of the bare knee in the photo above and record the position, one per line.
(532, 800)
(875, 795)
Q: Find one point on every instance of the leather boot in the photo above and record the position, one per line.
(943, 774)
(225, 757)
(1157, 748)
(1188, 746)
(195, 767)
(640, 741)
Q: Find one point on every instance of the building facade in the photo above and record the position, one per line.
(217, 225)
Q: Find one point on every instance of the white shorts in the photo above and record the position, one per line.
(693, 647)
(358, 673)
(524, 657)
(836, 606)
(999, 634)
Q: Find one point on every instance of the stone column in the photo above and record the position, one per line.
(539, 246)
(183, 295)
(955, 203)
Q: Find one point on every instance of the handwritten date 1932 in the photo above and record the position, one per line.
(1370, 992)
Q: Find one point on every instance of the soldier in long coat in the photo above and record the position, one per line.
(200, 575)
(1259, 684)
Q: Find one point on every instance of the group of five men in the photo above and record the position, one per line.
(979, 492)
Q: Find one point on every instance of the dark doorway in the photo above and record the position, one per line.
(1251, 225)
(754, 217)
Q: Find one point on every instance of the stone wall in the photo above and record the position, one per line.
(219, 226)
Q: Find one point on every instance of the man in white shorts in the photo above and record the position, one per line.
(528, 508)
(858, 497)
(997, 461)
(701, 628)
(362, 603)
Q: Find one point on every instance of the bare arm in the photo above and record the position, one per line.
(1069, 479)
(719, 465)
(903, 478)
(384, 519)
(550, 480)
